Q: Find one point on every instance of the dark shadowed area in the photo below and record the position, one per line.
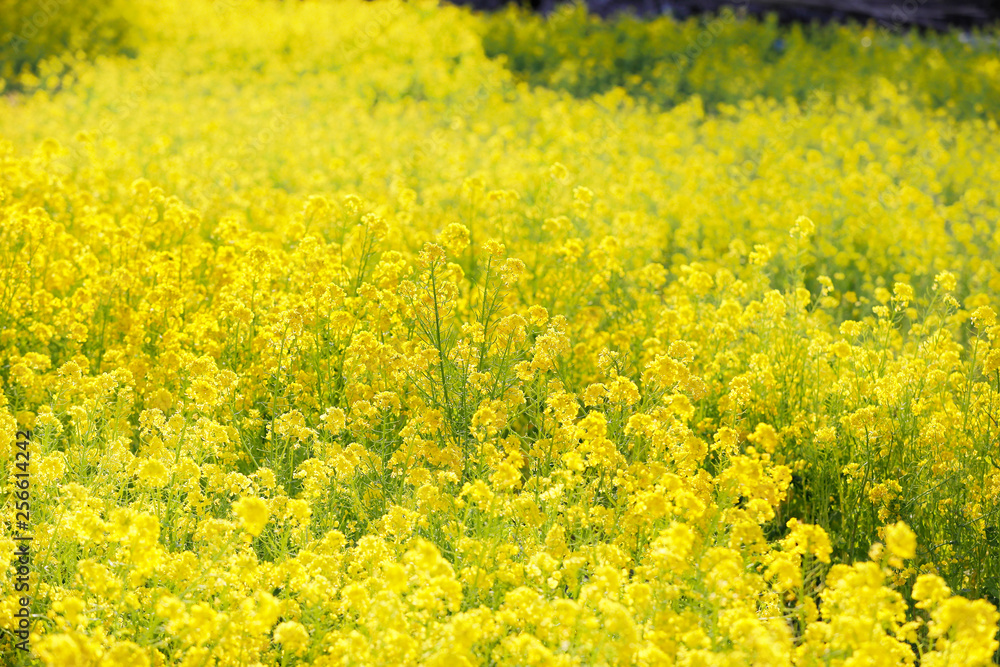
(935, 14)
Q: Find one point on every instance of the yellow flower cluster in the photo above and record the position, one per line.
(340, 345)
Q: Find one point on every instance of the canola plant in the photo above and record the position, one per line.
(390, 334)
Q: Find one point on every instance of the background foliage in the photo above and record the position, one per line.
(43, 37)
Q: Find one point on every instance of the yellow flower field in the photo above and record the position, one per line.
(378, 333)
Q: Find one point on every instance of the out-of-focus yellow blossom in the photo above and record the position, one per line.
(292, 636)
(902, 541)
(253, 514)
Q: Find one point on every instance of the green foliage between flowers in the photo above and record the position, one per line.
(55, 32)
(726, 58)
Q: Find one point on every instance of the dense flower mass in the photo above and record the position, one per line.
(341, 343)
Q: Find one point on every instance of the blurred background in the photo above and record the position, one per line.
(937, 14)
